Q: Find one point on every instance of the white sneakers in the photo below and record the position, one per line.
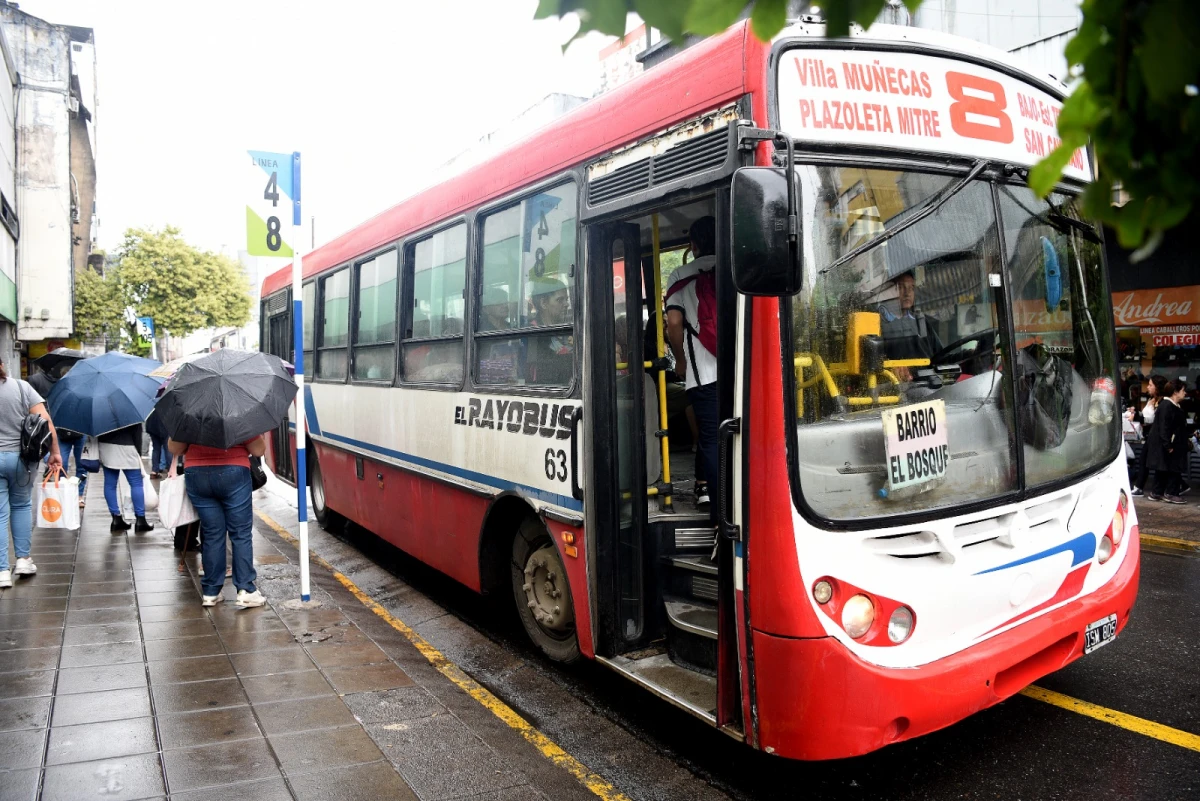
(211, 600)
(25, 566)
(246, 600)
(5, 579)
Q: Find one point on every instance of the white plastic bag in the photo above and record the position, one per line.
(89, 457)
(149, 491)
(174, 506)
(58, 503)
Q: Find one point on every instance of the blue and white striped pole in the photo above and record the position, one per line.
(298, 360)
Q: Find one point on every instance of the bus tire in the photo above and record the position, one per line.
(326, 518)
(542, 593)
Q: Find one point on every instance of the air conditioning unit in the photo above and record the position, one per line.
(73, 104)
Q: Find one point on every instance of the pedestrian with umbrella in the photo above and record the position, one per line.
(52, 367)
(216, 410)
(108, 397)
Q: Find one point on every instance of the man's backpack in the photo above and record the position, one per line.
(704, 329)
(1044, 396)
(35, 439)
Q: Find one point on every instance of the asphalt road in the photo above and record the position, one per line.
(1021, 749)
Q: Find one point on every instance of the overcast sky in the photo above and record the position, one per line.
(374, 94)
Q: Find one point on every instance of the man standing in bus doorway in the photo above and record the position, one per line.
(691, 300)
(908, 334)
(551, 358)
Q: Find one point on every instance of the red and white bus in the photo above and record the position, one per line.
(922, 505)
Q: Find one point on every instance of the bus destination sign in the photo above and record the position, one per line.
(916, 102)
(917, 448)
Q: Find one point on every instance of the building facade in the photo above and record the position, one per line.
(53, 174)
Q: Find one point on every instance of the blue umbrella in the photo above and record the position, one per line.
(104, 394)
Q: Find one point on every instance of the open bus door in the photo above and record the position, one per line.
(279, 343)
(663, 616)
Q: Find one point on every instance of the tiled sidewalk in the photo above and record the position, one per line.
(116, 684)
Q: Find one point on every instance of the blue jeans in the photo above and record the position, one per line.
(134, 477)
(708, 414)
(159, 458)
(65, 449)
(16, 505)
(221, 495)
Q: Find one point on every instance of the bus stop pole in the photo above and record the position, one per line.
(298, 360)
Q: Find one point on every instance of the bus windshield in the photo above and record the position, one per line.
(952, 342)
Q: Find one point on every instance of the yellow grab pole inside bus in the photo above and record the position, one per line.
(662, 374)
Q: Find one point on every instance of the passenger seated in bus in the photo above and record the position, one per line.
(907, 332)
(499, 359)
(550, 359)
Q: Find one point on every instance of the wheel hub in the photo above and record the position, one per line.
(546, 590)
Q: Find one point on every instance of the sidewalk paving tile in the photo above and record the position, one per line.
(391, 706)
(197, 695)
(70, 710)
(286, 686)
(311, 751)
(29, 659)
(371, 782)
(160, 614)
(113, 653)
(333, 656)
(204, 645)
(107, 740)
(173, 598)
(99, 635)
(452, 774)
(24, 713)
(304, 714)
(28, 684)
(22, 749)
(262, 663)
(243, 642)
(188, 729)
(32, 588)
(192, 668)
(80, 588)
(101, 602)
(121, 779)
(31, 620)
(174, 629)
(368, 678)
(99, 617)
(12, 606)
(268, 790)
(183, 582)
(222, 763)
(98, 679)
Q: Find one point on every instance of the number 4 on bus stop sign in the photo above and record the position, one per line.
(917, 448)
(272, 193)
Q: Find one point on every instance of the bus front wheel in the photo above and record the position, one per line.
(542, 593)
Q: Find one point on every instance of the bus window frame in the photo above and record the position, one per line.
(1022, 493)
(319, 323)
(394, 342)
(310, 356)
(475, 288)
(407, 251)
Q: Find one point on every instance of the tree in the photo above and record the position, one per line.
(1137, 98)
(98, 309)
(159, 275)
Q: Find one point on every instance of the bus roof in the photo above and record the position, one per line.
(706, 76)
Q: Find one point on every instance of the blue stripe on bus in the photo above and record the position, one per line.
(565, 501)
(1082, 548)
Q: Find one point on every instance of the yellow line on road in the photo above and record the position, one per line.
(1142, 726)
(547, 747)
(1173, 543)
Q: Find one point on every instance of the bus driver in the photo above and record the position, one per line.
(908, 334)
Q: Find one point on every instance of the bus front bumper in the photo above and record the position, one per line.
(817, 700)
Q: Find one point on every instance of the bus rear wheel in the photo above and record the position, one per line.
(325, 517)
(542, 593)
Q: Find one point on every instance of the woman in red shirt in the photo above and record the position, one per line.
(219, 486)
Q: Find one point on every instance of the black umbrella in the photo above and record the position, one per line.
(225, 398)
(58, 357)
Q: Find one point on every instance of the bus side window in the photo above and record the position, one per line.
(375, 327)
(435, 269)
(335, 326)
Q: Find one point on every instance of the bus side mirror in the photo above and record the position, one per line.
(766, 258)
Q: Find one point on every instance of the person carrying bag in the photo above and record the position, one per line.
(56, 506)
(174, 507)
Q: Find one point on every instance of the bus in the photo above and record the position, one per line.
(920, 505)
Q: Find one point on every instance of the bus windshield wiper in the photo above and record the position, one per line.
(931, 206)
(1062, 221)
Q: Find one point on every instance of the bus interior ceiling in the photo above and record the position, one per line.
(679, 653)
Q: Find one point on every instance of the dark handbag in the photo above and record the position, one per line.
(35, 439)
(258, 476)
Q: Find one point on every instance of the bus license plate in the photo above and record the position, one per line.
(1102, 632)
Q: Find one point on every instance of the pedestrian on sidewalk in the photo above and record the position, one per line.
(1154, 391)
(121, 452)
(219, 486)
(159, 458)
(17, 401)
(1170, 445)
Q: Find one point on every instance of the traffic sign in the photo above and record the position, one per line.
(273, 190)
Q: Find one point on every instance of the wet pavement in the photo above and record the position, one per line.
(1021, 749)
(1178, 521)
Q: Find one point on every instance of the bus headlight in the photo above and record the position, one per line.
(1105, 549)
(822, 591)
(857, 615)
(900, 624)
